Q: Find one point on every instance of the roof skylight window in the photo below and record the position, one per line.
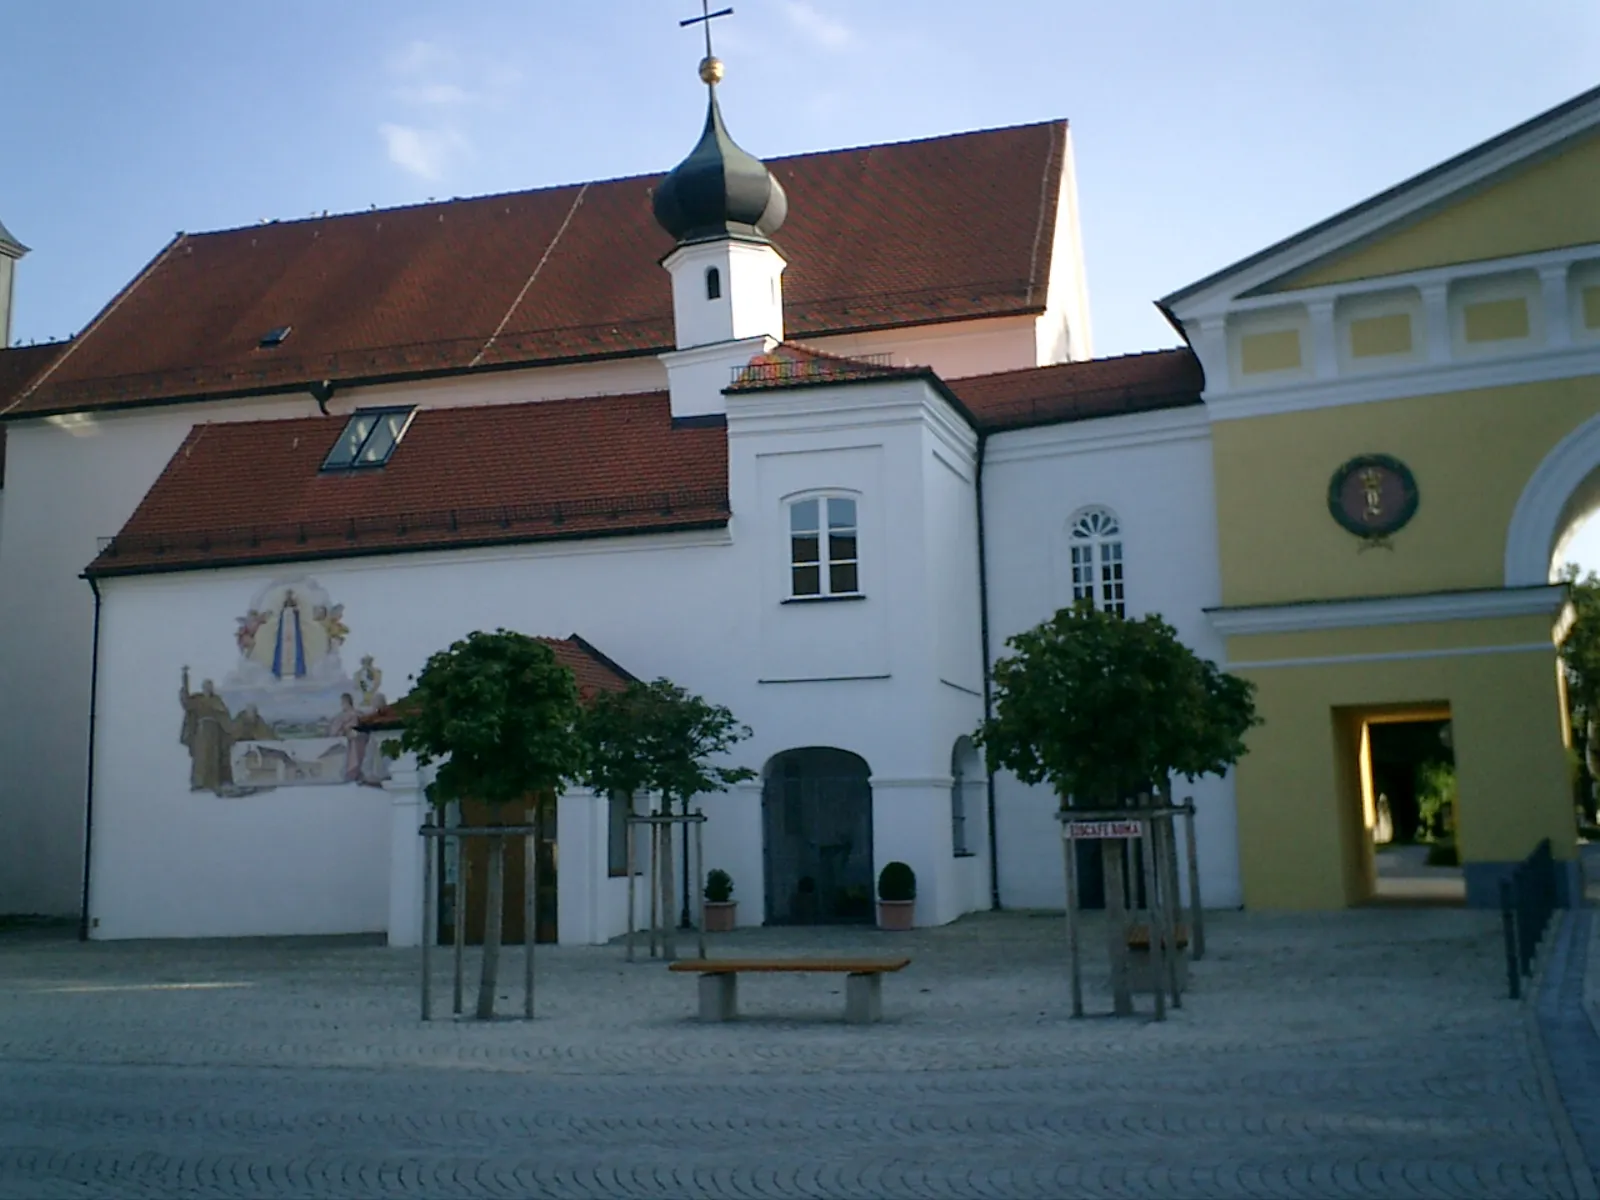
(369, 438)
(273, 337)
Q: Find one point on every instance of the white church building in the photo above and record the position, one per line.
(811, 438)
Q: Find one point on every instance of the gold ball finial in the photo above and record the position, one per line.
(711, 71)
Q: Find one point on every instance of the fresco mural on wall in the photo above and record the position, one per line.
(286, 714)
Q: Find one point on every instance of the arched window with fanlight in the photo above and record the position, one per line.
(1096, 544)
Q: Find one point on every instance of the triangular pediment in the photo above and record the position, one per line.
(1546, 205)
(1534, 188)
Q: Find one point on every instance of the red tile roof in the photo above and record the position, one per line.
(593, 671)
(1079, 391)
(254, 491)
(18, 365)
(789, 364)
(884, 236)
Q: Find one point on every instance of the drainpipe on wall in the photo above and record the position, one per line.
(88, 803)
(988, 693)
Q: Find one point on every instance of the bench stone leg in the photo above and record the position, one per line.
(863, 998)
(719, 997)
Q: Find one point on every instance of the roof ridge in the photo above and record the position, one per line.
(111, 306)
(420, 205)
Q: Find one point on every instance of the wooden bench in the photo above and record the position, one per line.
(863, 984)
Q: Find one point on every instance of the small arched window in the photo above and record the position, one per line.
(1097, 560)
(713, 284)
(823, 547)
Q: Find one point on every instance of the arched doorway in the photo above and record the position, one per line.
(817, 829)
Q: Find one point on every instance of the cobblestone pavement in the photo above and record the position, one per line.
(1368, 1053)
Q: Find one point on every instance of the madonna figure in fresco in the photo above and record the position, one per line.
(208, 735)
(289, 655)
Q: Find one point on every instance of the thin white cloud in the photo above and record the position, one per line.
(435, 95)
(418, 57)
(423, 152)
(822, 29)
(437, 90)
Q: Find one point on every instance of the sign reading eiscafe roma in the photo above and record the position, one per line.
(1080, 831)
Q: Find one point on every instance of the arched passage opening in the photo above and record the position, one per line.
(817, 836)
(1554, 520)
(1554, 532)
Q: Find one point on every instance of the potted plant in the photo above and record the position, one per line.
(897, 896)
(721, 907)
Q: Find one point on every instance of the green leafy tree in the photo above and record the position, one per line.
(498, 713)
(1580, 652)
(1104, 709)
(659, 737)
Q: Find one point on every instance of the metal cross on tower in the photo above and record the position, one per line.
(705, 18)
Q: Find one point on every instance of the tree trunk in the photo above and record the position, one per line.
(493, 920)
(1111, 851)
(669, 927)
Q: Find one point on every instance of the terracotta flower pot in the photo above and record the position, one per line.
(720, 915)
(895, 914)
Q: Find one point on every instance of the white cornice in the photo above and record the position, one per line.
(409, 560)
(1189, 423)
(1409, 199)
(1427, 379)
(1365, 612)
(1420, 279)
(1343, 660)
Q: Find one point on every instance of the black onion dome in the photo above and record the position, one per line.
(720, 190)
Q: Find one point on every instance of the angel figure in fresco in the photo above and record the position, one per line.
(332, 622)
(208, 735)
(367, 679)
(289, 655)
(344, 723)
(249, 625)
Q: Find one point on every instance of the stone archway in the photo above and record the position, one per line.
(1563, 490)
(817, 837)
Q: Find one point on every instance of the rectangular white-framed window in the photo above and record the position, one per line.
(824, 548)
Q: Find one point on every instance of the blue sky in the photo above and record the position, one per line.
(1202, 131)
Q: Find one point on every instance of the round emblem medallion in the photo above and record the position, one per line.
(1372, 496)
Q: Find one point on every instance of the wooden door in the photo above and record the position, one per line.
(474, 872)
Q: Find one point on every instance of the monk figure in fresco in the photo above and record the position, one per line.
(208, 734)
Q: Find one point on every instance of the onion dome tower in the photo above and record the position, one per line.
(721, 205)
(720, 190)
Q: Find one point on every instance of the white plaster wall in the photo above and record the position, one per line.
(611, 377)
(700, 608)
(8, 268)
(751, 287)
(1155, 471)
(954, 350)
(1063, 331)
(170, 863)
(69, 482)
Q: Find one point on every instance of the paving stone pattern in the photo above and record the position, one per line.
(1568, 1027)
(1367, 1053)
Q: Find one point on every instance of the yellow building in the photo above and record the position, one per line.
(1405, 417)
